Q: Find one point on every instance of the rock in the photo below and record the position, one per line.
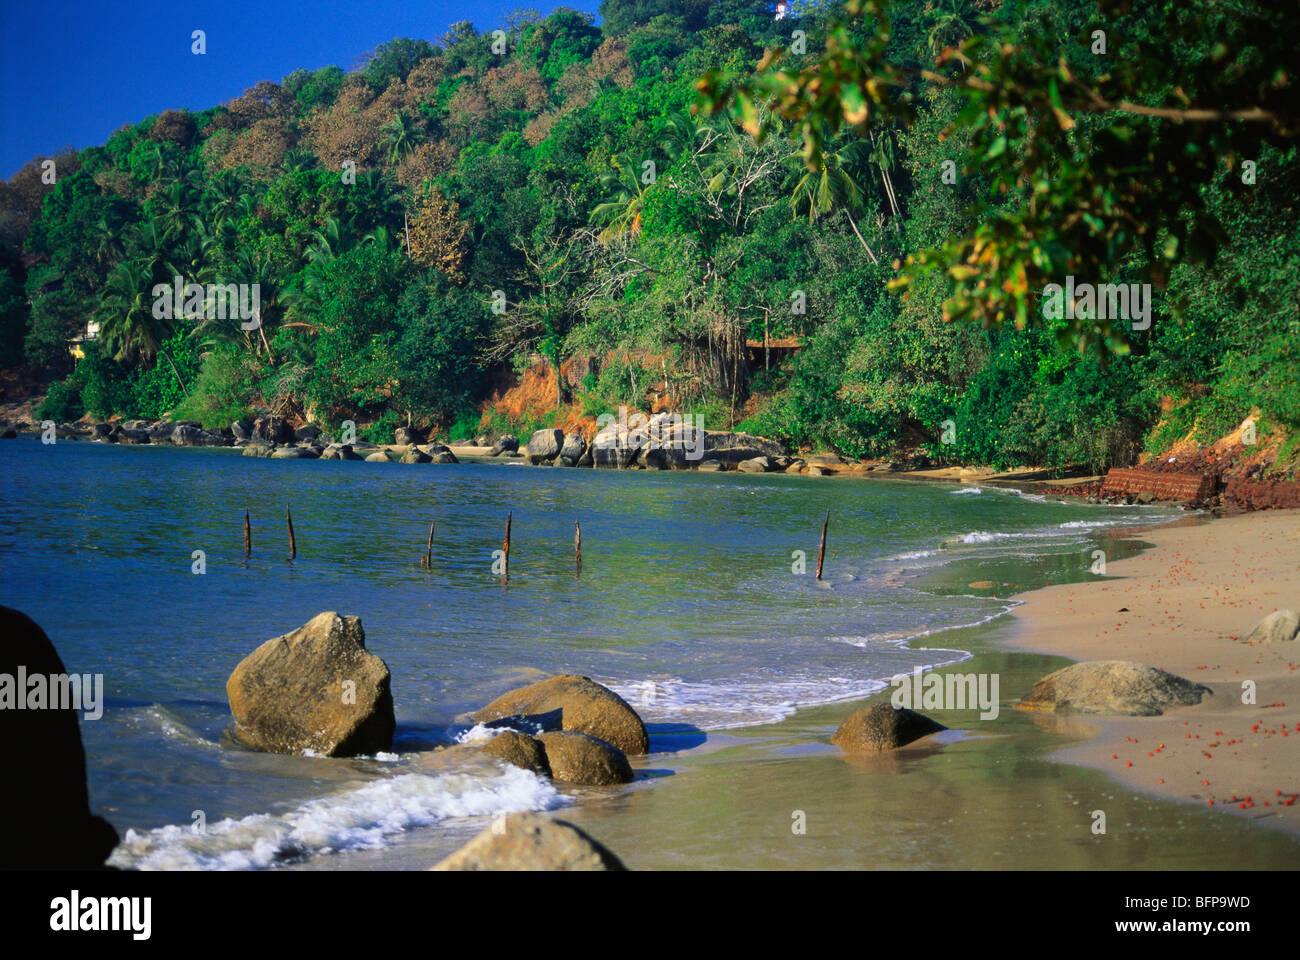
(184, 435)
(528, 841)
(826, 460)
(414, 454)
(1114, 687)
(1278, 627)
(294, 453)
(133, 435)
(585, 706)
(505, 444)
(445, 456)
(573, 449)
(584, 760)
(161, 432)
(340, 451)
(755, 465)
(732, 448)
(272, 430)
(101, 431)
(796, 465)
(306, 433)
(520, 750)
(317, 688)
(377, 457)
(242, 429)
(814, 470)
(881, 727)
(544, 445)
(258, 448)
(709, 466)
(406, 436)
(44, 797)
(9, 434)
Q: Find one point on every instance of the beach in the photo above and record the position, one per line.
(1185, 606)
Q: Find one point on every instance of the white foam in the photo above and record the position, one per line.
(967, 490)
(365, 817)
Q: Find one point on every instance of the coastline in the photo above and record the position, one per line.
(1189, 599)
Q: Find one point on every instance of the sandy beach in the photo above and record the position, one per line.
(1185, 607)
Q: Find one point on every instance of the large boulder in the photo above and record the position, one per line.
(520, 750)
(585, 707)
(414, 454)
(445, 456)
(293, 453)
(306, 433)
(545, 445)
(504, 444)
(575, 447)
(881, 727)
(317, 689)
(272, 430)
(340, 451)
(258, 448)
(730, 449)
(1278, 627)
(585, 760)
(405, 436)
(379, 456)
(528, 841)
(242, 429)
(754, 465)
(44, 799)
(1114, 687)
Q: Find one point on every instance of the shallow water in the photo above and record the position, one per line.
(688, 603)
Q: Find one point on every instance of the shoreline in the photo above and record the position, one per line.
(1186, 602)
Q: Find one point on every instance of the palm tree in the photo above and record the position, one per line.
(832, 186)
(622, 213)
(950, 24)
(126, 318)
(400, 135)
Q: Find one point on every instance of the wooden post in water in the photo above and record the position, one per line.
(293, 546)
(505, 548)
(428, 550)
(821, 549)
(248, 537)
(577, 544)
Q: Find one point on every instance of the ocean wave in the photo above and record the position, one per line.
(366, 817)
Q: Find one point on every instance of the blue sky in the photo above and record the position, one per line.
(73, 72)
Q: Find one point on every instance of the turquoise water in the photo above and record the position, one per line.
(688, 603)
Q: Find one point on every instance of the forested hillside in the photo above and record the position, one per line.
(631, 202)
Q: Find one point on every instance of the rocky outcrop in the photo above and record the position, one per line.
(44, 798)
(586, 760)
(585, 707)
(528, 841)
(505, 444)
(293, 453)
(573, 449)
(520, 750)
(1112, 687)
(545, 445)
(317, 689)
(755, 465)
(881, 727)
(242, 429)
(1279, 626)
(272, 430)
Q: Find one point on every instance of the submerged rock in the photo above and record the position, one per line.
(1114, 687)
(583, 759)
(585, 707)
(317, 689)
(881, 727)
(44, 801)
(1278, 627)
(528, 841)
